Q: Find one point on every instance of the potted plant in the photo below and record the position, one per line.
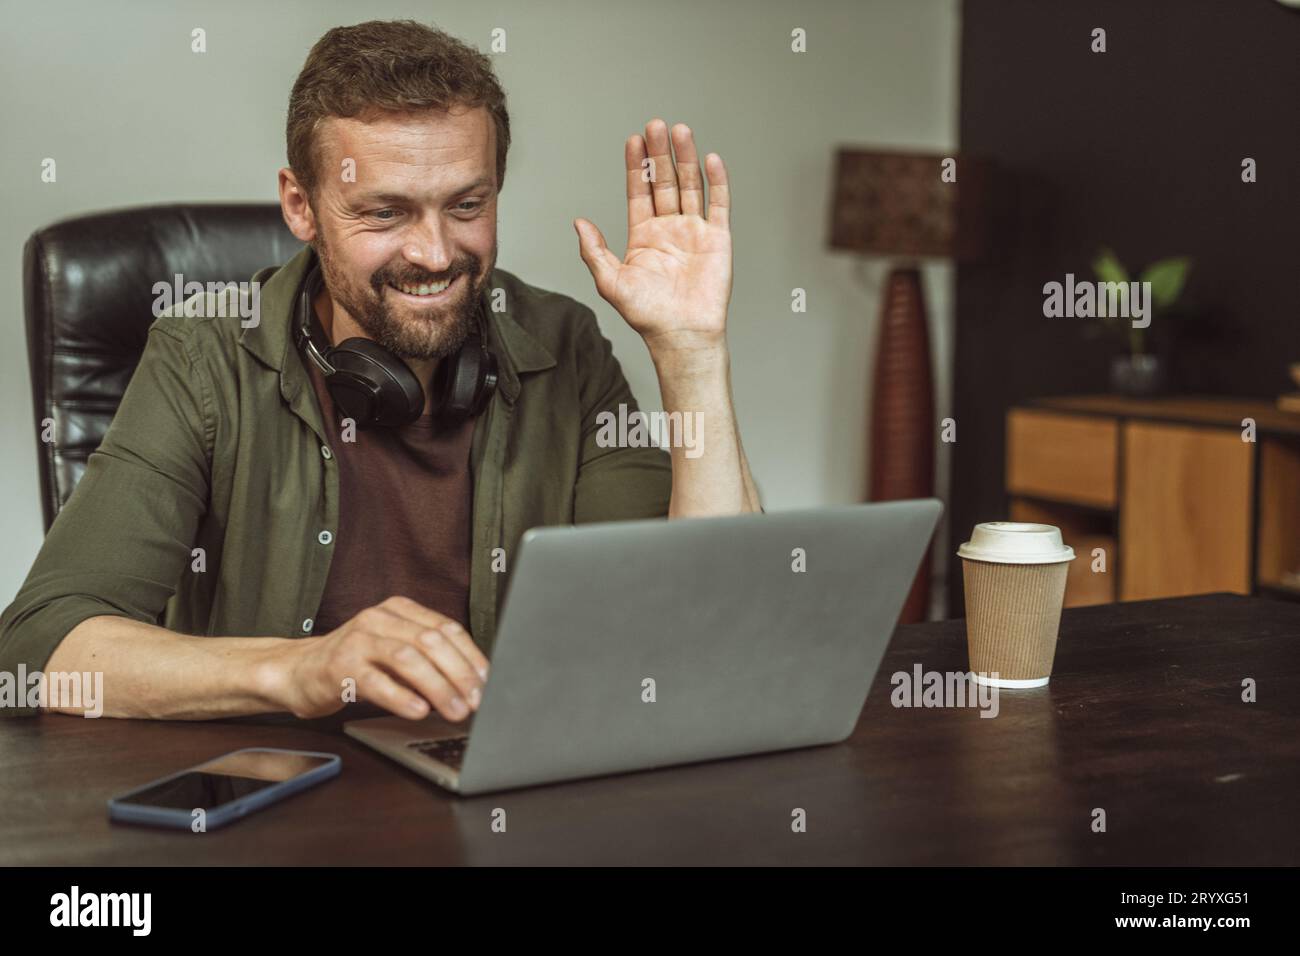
(1139, 371)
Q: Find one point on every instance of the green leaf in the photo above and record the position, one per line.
(1167, 277)
(1108, 268)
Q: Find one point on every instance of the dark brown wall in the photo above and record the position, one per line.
(1139, 148)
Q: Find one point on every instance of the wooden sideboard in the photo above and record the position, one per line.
(1177, 501)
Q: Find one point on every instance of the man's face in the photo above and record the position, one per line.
(422, 211)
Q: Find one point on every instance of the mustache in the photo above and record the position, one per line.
(389, 276)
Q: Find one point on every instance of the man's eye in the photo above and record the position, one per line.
(471, 203)
(384, 215)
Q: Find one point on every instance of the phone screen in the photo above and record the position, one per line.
(227, 778)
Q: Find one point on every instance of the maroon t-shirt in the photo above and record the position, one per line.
(404, 516)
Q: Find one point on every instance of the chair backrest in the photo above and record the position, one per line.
(88, 295)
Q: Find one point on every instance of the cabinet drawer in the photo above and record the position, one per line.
(1185, 527)
(1062, 457)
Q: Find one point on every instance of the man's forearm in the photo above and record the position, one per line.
(713, 477)
(152, 672)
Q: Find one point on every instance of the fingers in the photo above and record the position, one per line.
(663, 182)
(673, 187)
(428, 653)
(375, 685)
(409, 666)
(453, 666)
(421, 651)
(463, 644)
(640, 199)
(690, 181)
(460, 638)
(719, 190)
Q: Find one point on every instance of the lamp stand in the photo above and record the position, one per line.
(902, 412)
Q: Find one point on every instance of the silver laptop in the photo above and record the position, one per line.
(632, 645)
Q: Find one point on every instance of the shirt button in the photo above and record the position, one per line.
(324, 537)
(307, 625)
(325, 452)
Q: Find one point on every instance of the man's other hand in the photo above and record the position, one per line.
(398, 654)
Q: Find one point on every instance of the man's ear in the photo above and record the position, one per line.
(296, 208)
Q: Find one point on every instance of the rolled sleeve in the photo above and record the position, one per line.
(614, 484)
(120, 544)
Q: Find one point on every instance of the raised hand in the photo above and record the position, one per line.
(673, 285)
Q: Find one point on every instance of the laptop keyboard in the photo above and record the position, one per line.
(449, 750)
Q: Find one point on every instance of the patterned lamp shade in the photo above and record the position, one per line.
(889, 203)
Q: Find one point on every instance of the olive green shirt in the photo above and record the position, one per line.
(219, 445)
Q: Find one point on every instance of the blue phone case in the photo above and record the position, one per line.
(124, 811)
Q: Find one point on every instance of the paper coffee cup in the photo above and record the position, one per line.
(1015, 585)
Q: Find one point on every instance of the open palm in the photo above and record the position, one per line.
(673, 285)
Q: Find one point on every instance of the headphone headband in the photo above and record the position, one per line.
(307, 330)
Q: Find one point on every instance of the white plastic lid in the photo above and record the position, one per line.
(1016, 542)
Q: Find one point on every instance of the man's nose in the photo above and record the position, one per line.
(429, 248)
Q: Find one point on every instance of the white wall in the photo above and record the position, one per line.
(113, 93)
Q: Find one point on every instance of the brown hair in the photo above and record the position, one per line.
(388, 65)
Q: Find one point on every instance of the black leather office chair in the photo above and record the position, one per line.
(88, 300)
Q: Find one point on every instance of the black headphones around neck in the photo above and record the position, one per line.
(372, 386)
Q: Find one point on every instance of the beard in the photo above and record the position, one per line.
(409, 331)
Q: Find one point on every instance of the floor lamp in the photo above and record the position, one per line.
(906, 206)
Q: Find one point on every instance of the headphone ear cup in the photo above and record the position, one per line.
(371, 386)
(487, 382)
(463, 384)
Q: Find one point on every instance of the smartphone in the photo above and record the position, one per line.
(224, 789)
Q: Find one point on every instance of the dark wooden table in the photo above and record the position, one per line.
(1143, 718)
